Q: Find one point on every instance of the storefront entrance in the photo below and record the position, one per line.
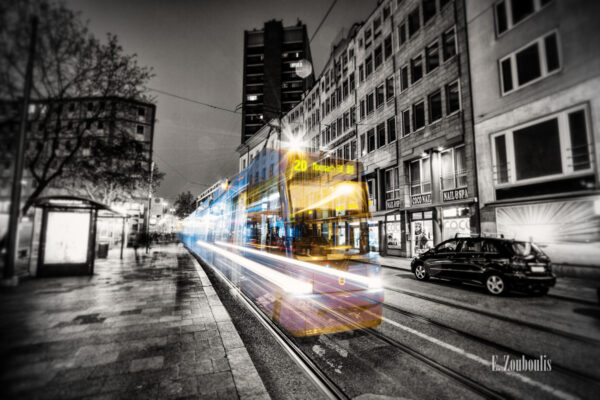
(421, 229)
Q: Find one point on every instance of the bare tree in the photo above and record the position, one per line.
(185, 204)
(70, 63)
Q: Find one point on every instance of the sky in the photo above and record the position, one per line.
(196, 51)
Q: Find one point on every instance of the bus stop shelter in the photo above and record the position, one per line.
(66, 235)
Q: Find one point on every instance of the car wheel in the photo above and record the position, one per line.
(495, 284)
(421, 273)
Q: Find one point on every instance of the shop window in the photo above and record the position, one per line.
(371, 140)
(379, 96)
(391, 129)
(534, 62)
(509, 13)
(452, 98)
(389, 88)
(381, 135)
(449, 44)
(420, 177)
(435, 106)
(432, 57)
(416, 67)
(553, 147)
(418, 115)
(453, 168)
(392, 186)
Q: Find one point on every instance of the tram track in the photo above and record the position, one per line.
(486, 342)
(532, 325)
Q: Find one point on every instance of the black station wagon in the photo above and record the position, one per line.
(497, 264)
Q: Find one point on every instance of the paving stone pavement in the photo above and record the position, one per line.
(152, 329)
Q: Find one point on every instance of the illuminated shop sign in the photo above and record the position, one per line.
(455, 194)
(421, 199)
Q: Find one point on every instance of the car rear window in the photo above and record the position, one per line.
(526, 248)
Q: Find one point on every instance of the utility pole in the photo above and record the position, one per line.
(15, 199)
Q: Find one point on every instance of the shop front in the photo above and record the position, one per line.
(395, 234)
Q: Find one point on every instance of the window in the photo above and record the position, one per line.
(346, 121)
(347, 151)
(352, 116)
(361, 73)
(376, 27)
(371, 140)
(419, 115)
(406, 122)
(392, 184)
(378, 56)
(370, 103)
(404, 78)
(416, 66)
(351, 82)
(555, 146)
(432, 57)
(402, 33)
(391, 129)
(470, 246)
(490, 247)
(435, 106)
(443, 3)
(141, 112)
(420, 177)
(362, 109)
(100, 125)
(386, 11)
(389, 88)
(510, 12)
(449, 42)
(353, 150)
(387, 47)
(139, 129)
(535, 61)
(379, 96)
(363, 145)
(447, 247)
(90, 106)
(428, 10)
(371, 189)
(367, 38)
(368, 66)
(452, 98)
(453, 168)
(414, 22)
(381, 135)
(345, 89)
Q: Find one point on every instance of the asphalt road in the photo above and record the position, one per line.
(444, 340)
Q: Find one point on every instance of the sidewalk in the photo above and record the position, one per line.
(569, 288)
(148, 329)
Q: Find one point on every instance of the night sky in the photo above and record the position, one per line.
(195, 48)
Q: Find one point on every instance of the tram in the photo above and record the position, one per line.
(290, 231)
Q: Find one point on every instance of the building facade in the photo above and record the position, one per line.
(277, 71)
(535, 68)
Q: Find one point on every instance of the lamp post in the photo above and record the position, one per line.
(149, 206)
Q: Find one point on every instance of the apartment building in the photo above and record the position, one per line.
(277, 72)
(376, 115)
(436, 194)
(535, 68)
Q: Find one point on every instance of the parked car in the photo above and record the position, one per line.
(496, 263)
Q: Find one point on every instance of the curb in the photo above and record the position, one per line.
(248, 383)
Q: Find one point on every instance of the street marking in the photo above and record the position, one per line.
(556, 392)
